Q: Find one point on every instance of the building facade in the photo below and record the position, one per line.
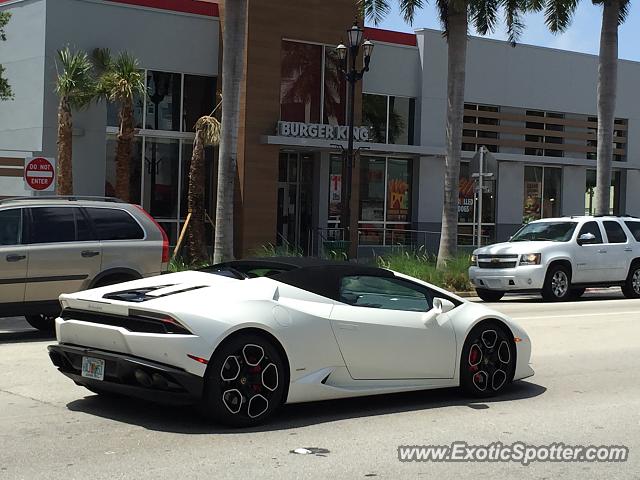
(534, 109)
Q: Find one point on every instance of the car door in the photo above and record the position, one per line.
(14, 257)
(381, 331)
(63, 256)
(590, 259)
(618, 251)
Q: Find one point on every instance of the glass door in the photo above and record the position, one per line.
(295, 202)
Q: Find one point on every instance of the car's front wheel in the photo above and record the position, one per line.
(631, 288)
(489, 295)
(557, 284)
(488, 360)
(245, 382)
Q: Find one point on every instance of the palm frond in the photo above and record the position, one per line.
(210, 130)
(374, 10)
(75, 77)
(559, 13)
(408, 9)
(483, 14)
(443, 15)
(513, 10)
(625, 5)
(123, 79)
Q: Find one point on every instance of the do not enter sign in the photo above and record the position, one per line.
(40, 173)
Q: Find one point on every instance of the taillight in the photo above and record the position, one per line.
(165, 239)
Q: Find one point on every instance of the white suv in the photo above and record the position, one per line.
(560, 257)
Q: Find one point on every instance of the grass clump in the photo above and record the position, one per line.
(423, 266)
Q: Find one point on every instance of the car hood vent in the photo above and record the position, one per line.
(142, 294)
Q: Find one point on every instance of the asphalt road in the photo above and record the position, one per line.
(586, 391)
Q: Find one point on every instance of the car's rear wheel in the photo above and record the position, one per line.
(489, 295)
(631, 288)
(557, 284)
(245, 382)
(488, 360)
(42, 321)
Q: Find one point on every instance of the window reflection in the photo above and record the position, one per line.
(161, 177)
(374, 115)
(199, 99)
(301, 74)
(163, 102)
(335, 90)
(401, 120)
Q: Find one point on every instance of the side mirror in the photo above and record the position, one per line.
(586, 239)
(443, 305)
(440, 306)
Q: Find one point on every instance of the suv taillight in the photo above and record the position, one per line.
(165, 239)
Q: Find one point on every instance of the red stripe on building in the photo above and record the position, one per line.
(389, 36)
(197, 7)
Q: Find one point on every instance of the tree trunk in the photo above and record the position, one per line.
(123, 151)
(65, 148)
(607, 85)
(457, 56)
(195, 234)
(233, 51)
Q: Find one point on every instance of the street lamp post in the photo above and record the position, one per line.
(348, 56)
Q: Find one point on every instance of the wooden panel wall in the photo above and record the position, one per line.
(269, 22)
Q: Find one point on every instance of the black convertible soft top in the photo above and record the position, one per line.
(315, 275)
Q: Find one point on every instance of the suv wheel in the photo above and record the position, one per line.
(557, 285)
(489, 295)
(44, 323)
(631, 288)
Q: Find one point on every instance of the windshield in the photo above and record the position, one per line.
(545, 231)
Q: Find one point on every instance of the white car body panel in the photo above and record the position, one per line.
(415, 355)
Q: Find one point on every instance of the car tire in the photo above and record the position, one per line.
(577, 292)
(43, 322)
(557, 284)
(631, 288)
(488, 360)
(489, 295)
(237, 392)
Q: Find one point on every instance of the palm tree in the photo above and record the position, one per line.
(559, 14)
(207, 134)
(121, 80)
(455, 16)
(76, 88)
(233, 38)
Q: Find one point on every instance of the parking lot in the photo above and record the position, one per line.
(586, 391)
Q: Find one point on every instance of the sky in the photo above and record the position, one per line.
(582, 36)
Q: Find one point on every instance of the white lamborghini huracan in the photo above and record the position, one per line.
(242, 338)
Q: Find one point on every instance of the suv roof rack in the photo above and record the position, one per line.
(70, 198)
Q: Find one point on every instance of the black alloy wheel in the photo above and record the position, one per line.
(245, 382)
(489, 295)
(488, 360)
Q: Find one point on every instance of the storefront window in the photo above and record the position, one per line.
(199, 99)
(161, 176)
(391, 119)
(163, 101)
(542, 193)
(401, 120)
(590, 193)
(301, 74)
(113, 112)
(335, 90)
(374, 116)
(335, 190)
(385, 200)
